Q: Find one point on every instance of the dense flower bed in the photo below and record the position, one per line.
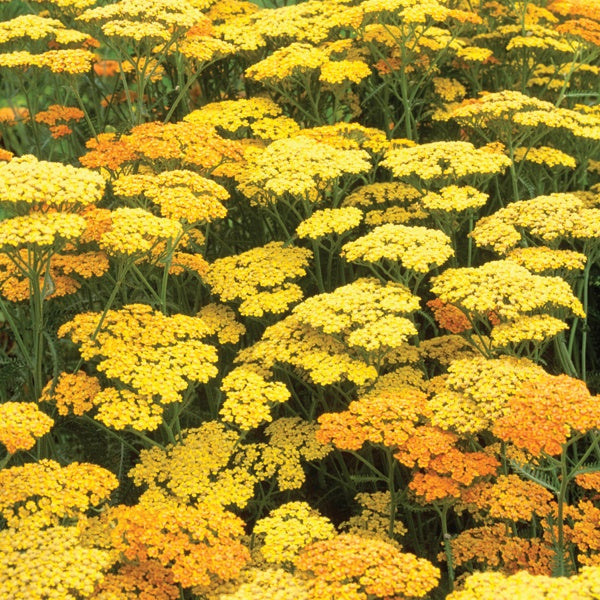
(298, 300)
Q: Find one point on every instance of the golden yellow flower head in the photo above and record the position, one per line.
(21, 423)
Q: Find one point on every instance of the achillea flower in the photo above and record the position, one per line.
(269, 583)
(449, 90)
(584, 532)
(454, 198)
(234, 115)
(348, 136)
(394, 202)
(196, 543)
(73, 393)
(57, 113)
(42, 494)
(181, 194)
(506, 289)
(70, 569)
(220, 319)
(497, 586)
(374, 517)
(299, 166)
(527, 328)
(154, 354)
(477, 392)
(21, 423)
(541, 415)
(546, 261)
(350, 566)
(135, 231)
(492, 548)
(144, 579)
(40, 230)
(266, 270)
(544, 155)
(249, 397)
(289, 528)
(330, 221)
(365, 313)
(446, 348)
(418, 249)
(314, 355)
(509, 497)
(32, 183)
(550, 218)
(449, 316)
(386, 417)
(443, 161)
(198, 468)
(166, 13)
(299, 434)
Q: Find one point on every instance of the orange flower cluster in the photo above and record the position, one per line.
(541, 416)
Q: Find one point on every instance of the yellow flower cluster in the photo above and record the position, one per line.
(260, 278)
(182, 195)
(374, 518)
(317, 356)
(300, 58)
(454, 198)
(235, 115)
(497, 586)
(444, 161)
(549, 217)
(40, 230)
(365, 313)
(36, 183)
(506, 289)
(526, 328)
(288, 529)
(198, 468)
(49, 563)
(477, 390)
(348, 136)
(249, 397)
(43, 493)
(72, 61)
(330, 220)
(154, 354)
(162, 19)
(221, 320)
(73, 392)
(416, 248)
(545, 261)
(36, 27)
(276, 584)
(299, 166)
(138, 231)
(544, 155)
(389, 202)
(21, 423)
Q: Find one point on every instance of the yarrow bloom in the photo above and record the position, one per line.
(418, 249)
(299, 166)
(356, 567)
(42, 494)
(156, 355)
(289, 528)
(21, 424)
(260, 278)
(443, 161)
(71, 568)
